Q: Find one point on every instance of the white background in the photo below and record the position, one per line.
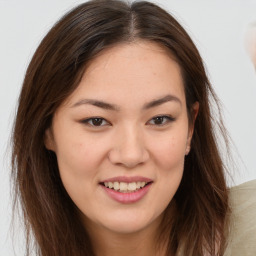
(218, 29)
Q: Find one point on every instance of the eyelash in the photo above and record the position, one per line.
(89, 121)
(167, 118)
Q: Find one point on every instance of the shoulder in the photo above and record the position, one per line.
(242, 230)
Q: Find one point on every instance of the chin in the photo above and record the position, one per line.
(126, 228)
(129, 223)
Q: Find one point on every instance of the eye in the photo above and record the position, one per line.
(95, 121)
(161, 120)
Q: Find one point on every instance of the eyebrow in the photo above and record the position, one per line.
(97, 103)
(161, 101)
(113, 107)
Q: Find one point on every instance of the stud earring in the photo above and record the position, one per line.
(187, 150)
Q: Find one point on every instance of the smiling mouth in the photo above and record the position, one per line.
(125, 187)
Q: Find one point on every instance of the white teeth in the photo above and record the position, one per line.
(116, 185)
(125, 187)
(132, 186)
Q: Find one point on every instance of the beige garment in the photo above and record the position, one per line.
(242, 238)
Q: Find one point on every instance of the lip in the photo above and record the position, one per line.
(127, 198)
(127, 179)
(130, 197)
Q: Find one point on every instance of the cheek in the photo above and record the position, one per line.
(169, 154)
(78, 161)
(169, 151)
(77, 153)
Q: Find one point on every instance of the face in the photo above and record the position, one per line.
(121, 137)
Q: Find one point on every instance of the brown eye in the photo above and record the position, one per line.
(161, 120)
(95, 121)
(158, 120)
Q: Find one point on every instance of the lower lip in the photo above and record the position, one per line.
(127, 198)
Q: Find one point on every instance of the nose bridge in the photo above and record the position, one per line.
(131, 140)
(129, 148)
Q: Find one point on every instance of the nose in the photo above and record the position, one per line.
(128, 148)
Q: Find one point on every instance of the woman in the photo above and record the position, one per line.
(114, 151)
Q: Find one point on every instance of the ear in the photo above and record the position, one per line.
(49, 140)
(194, 113)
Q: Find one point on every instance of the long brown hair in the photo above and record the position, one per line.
(201, 202)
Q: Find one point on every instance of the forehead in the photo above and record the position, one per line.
(138, 70)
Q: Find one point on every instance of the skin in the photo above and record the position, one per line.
(250, 43)
(128, 142)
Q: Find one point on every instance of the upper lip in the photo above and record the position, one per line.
(127, 179)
